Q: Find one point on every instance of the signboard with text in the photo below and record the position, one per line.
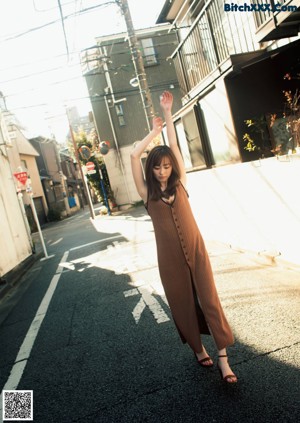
(21, 177)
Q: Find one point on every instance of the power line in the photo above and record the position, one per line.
(32, 74)
(63, 26)
(87, 10)
(120, 67)
(39, 61)
(44, 86)
(100, 97)
(77, 52)
(50, 8)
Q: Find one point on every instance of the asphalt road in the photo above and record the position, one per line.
(89, 331)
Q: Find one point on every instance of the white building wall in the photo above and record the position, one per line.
(254, 206)
(120, 177)
(14, 242)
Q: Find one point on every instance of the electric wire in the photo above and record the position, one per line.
(101, 97)
(63, 27)
(50, 8)
(75, 14)
(86, 10)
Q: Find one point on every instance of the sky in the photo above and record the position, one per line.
(40, 73)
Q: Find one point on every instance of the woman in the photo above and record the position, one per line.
(183, 262)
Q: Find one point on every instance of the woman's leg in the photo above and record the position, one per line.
(203, 358)
(224, 368)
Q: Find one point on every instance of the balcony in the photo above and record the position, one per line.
(203, 49)
(275, 20)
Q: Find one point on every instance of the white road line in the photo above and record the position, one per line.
(26, 347)
(138, 310)
(56, 242)
(154, 306)
(131, 292)
(28, 342)
(147, 299)
(95, 242)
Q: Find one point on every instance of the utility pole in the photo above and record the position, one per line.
(138, 63)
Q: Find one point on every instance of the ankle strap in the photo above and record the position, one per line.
(222, 356)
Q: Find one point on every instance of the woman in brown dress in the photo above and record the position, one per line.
(183, 261)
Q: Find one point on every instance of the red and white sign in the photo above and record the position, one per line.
(90, 166)
(21, 177)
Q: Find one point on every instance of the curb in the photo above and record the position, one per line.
(10, 279)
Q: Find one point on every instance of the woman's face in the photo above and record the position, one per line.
(163, 171)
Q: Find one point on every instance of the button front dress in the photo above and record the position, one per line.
(186, 273)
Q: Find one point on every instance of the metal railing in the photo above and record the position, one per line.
(268, 9)
(204, 48)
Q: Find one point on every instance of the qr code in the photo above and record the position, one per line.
(17, 405)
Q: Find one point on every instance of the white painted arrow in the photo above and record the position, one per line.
(146, 299)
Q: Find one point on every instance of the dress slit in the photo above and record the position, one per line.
(203, 326)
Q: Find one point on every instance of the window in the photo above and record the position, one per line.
(148, 52)
(120, 114)
(183, 145)
(24, 165)
(189, 141)
(214, 108)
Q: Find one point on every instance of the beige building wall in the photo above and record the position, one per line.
(15, 244)
(22, 158)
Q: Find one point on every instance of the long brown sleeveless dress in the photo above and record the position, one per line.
(186, 273)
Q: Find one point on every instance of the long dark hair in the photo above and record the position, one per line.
(154, 158)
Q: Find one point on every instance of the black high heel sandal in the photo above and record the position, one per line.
(226, 378)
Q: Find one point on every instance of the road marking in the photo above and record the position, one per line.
(147, 299)
(56, 242)
(95, 242)
(26, 347)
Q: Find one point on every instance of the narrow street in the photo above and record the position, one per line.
(90, 332)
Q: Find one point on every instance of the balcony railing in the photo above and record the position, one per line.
(215, 35)
(274, 19)
(203, 49)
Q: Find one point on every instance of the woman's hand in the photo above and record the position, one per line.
(166, 101)
(157, 124)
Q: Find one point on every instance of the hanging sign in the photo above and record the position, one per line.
(90, 166)
(21, 177)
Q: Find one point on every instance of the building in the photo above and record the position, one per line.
(73, 181)
(52, 178)
(22, 157)
(15, 239)
(80, 123)
(238, 70)
(229, 70)
(119, 113)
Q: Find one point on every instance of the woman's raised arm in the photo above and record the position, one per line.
(166, 102)
(136, 166)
